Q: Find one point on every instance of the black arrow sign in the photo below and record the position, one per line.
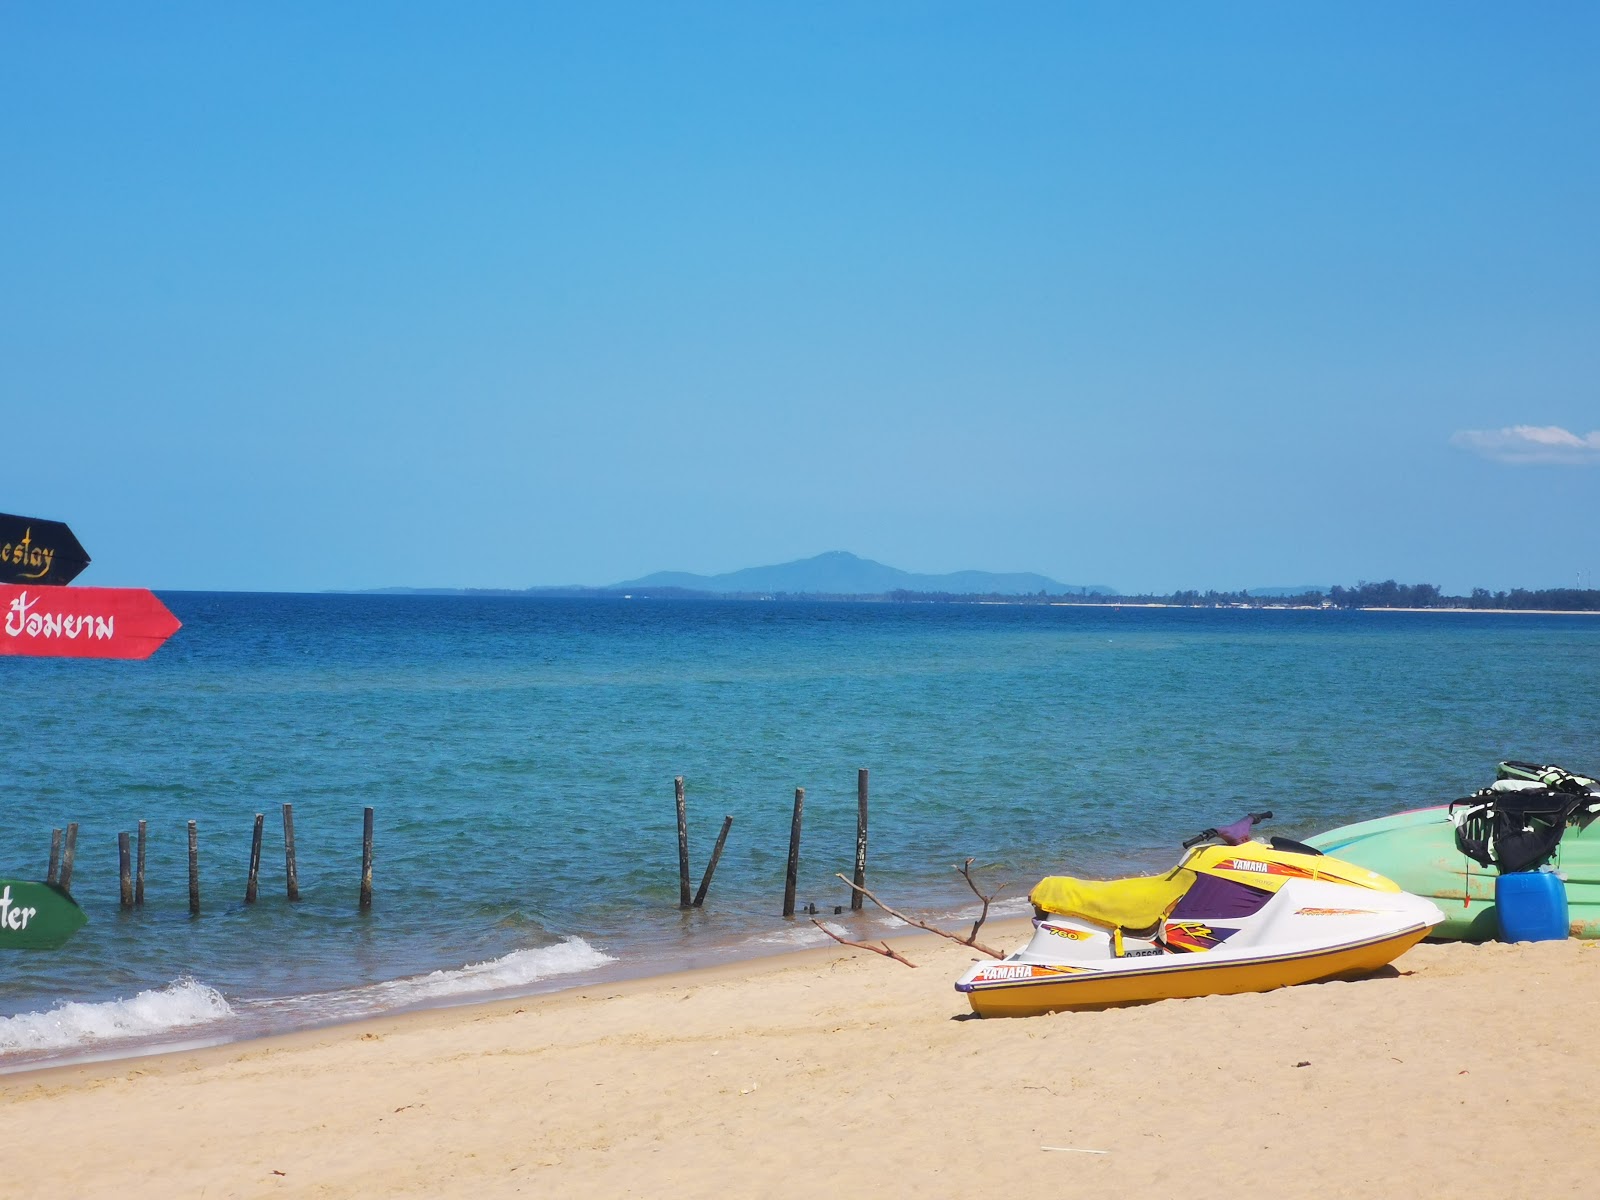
(35, 551)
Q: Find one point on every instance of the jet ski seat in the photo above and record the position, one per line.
(1132, 905)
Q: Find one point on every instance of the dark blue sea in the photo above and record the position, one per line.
(519, 755)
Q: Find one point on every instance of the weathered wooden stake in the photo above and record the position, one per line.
(194, 870)
(291, 874)
(55, 856)
(794, 853)
(68, 852)
(366, 860)
(861, 839)
(125, 869)
(683, 844)
(255, 862)
(716, 853)
(138, 873)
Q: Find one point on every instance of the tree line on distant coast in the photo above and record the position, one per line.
(1387, 594)
(1390, 594)
(1424, 595)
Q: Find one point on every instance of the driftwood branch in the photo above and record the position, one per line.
(881, 948)
(944, 933)
(966, 873)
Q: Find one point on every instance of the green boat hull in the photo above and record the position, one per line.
(36, 916)
(1418, 851)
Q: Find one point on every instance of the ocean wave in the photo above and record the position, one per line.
(793, 938)
(182, 1004)
(519, 969)
(999, 910)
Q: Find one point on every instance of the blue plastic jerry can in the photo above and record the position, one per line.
(1532, 906)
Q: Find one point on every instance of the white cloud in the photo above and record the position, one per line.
(1525, 444)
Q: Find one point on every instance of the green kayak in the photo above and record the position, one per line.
(1418, 851)
(36, 916)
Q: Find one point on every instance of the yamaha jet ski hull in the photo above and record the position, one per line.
(1246, 918)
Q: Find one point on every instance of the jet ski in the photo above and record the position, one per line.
(1239, 916)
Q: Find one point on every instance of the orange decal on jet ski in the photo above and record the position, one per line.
(1260, 867)
(1333, 912)
(1015, 972)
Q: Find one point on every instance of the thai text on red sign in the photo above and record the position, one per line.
(83, 622)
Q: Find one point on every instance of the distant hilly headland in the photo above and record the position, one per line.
(840, 573)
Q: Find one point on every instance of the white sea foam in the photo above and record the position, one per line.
(1011, 906)
(521, 969)
(183, 1004)
(790, 938)
(158, 1017)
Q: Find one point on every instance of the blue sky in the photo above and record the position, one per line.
(306, 296)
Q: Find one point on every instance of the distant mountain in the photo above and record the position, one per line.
(840, 573)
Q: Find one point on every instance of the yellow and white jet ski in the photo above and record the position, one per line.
(1239, 917)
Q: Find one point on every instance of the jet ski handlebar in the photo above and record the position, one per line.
(1234, 834)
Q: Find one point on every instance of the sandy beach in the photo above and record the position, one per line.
(1459, 1070)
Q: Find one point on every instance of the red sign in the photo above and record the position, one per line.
(83, 622)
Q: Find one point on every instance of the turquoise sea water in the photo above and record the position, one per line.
(520, 757)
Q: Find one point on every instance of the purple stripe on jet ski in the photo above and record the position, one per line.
(1212, 899)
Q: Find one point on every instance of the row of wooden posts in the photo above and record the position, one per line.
(64, 844)
(792, 873)
(63, 848)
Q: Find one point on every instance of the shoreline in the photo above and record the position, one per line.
(835, 1070)
(711, 956)
(1006, 601)
(448, 1014)
(1492, 612)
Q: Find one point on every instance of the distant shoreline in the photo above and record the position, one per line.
(840, 576)
(932, 599)
(1506, 612)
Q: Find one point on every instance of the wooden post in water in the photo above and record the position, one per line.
(138, 874)
(291, 874)
(366, 860)
(861, 840)
(683, 844)
(69, 850)
(194, 870)
(716, 853)
(55, 856)
(125, 870)
(255, 862)
(794, 853)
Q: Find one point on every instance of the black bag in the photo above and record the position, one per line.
(1514, 831)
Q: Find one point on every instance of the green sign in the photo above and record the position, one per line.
(36, 916)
